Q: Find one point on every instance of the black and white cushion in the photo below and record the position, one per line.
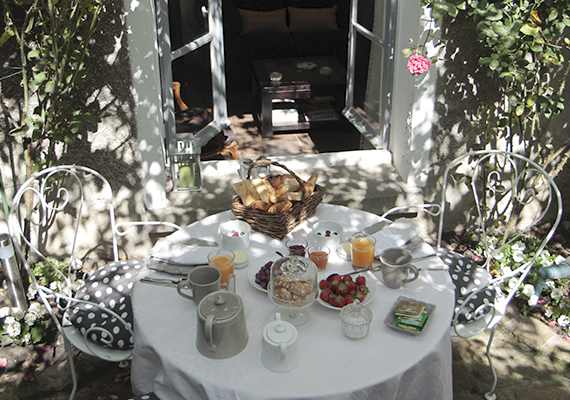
(468, 277)
(109, 286)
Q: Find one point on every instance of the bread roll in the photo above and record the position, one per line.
(281, 207)
(246, 192)
(310, 185)
(260, 205)
(264, 190)
(281, 193)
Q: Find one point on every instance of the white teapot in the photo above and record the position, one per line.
(280, 349)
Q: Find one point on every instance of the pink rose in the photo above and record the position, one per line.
(418, 64)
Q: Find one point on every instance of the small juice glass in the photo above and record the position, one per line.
(319, 255)
(362, 248)
(224, 261)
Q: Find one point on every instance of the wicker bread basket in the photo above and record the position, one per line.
(278, 225)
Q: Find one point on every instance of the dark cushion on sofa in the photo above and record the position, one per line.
(109, 286)
(312, 19)
(260, 22)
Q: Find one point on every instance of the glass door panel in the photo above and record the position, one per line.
(370, 68)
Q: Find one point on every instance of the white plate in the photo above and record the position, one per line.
(370, 283)
(254, 269)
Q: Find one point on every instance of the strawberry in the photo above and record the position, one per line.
(235, 234)
(364, 289)
(323, 284)
(361, 280)
(342, 289)
(347, 278)
(339, 302)
(359, 296)
(349, 299)
(351, 286)
(331, 277)
(325, 294)
(334, 284)
(332, 298)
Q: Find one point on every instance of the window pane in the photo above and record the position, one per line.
(187, 23)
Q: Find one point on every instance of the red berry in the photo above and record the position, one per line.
(323, 284)
(361, 280)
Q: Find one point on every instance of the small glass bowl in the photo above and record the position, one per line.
(355, 320)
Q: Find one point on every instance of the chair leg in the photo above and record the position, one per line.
(69, 351)
(490, 395)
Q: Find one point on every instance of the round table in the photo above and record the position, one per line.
(386, 364)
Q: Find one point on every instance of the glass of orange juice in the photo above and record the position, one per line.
(362, 248)
(223, 260)
(319, 254)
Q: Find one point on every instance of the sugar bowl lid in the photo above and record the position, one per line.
(356, 314)
(279, 331)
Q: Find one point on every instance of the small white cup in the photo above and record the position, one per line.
(235, 235)
(328, 233)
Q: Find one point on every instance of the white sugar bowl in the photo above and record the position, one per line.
(280, 351)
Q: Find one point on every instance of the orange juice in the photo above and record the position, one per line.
(362, 251)
(225, 263)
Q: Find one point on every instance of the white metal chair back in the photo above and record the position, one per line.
(500, 196)
(58, 217)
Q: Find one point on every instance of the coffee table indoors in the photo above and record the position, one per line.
(386, 364)
(291, 80)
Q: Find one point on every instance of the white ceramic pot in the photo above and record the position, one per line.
(280, 350)
(235, 235)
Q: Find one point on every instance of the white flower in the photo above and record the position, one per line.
(518, 256)
(30, 318)
(559, 259)
(545, 262)
(54, 285)
(533, 300)
(498, 256)
(556, 293)
(528, 290)
(18, 314)
(9, 320)
(513, 283)
(4, 312)
(548, 313)
(27, 338)
(35, 308)
(550, 283)
(32, 291)
(506, 271)
(13, 329)
(563, 321)
(519, 246)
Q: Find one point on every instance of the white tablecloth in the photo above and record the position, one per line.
(386, 364)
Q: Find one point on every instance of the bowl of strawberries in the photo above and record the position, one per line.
(336, 291)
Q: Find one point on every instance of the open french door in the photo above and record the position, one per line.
(370, 70)
(190, 37)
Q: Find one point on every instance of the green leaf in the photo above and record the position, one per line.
(407, 52)
(50, 87)
(519, 110)
(37, 333)
(33, 53)
(493, 65)
(531, 100)
(530, 29)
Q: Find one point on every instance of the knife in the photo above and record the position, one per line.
(164, 282)
(199, 242)
(372, 229)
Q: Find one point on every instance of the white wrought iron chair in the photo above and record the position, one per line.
(52, 214)
(504, 195)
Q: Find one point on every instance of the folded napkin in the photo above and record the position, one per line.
(397, 234)
(182, 250)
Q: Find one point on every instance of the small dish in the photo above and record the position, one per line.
(254, 269)
(390, 319)
(343, 251)
(327, 233)
(241, 259)
(370, 284)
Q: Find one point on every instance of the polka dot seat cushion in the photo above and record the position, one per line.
(109, 286)
(467, 277)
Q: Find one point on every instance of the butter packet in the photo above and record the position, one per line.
(409, 308)
(411, 322)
